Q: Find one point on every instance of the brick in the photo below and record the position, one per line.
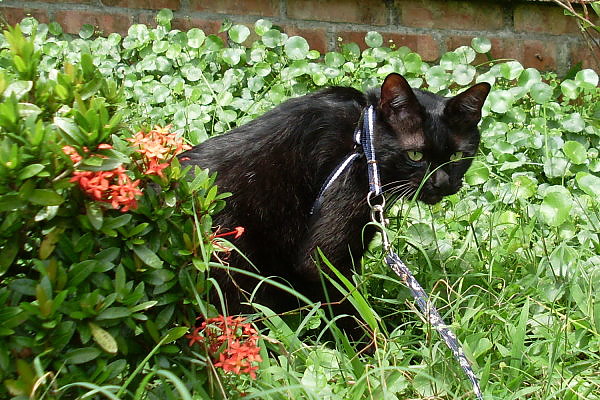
(537, 54)
(14, 15)
(540, 54)
(152, 5)
(462, 15)
(372, 12)
(316, 38)
(72, 1)
(264, 8)
(209, 27)
(543, 19)
(187, 23)
(589, 58)
(427, 47)
(72, 21)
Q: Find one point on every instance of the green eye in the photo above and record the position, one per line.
(415, 155)
(456, 156)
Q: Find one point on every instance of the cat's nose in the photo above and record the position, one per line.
(440, 180)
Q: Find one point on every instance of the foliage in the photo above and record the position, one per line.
(87, 291)
(512, 259)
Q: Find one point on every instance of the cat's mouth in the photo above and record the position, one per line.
(430, 198)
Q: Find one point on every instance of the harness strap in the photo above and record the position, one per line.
(366, 141)
(331, 178)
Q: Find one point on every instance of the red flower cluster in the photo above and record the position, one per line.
(114, 186)
(158, 147)
(232, 343)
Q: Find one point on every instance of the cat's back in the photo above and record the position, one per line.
(289, 125)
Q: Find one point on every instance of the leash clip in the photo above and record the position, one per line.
(378, 217)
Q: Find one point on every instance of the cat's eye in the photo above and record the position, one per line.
(456, 156)
(415, 155)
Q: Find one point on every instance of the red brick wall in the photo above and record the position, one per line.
(537, 34)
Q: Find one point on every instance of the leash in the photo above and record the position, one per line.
(375, 200)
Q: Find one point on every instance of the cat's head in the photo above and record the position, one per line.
(426, 142)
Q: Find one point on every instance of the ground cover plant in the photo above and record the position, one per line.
(106, 244)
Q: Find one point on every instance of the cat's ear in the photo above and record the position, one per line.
(397, 97)
(466, 106)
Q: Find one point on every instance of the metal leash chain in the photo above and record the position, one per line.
(396, 264)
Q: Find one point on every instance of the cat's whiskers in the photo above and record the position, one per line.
(402, 191)
(392, 185)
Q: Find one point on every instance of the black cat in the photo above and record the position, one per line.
(276, 165)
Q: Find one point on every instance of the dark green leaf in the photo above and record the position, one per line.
(147, 256)
(45, 197)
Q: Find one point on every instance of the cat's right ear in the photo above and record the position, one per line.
(397, 97)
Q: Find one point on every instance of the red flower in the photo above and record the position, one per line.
(231, 342)
(158, 144)
(114, 187)
(236, 232)
(154, 168)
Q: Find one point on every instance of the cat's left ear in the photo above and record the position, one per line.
(397, 97)
(466, 106)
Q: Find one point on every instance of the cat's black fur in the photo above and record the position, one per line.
(276, 164)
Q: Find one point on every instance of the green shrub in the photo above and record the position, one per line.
(88, 290)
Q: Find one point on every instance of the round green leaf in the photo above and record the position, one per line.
(231, 56)
(195, 38)
(272, 38)
(466, 55)
(477, 174)
(373, 39)
(54, 28)
(556, 167)
(437, 77)
(589, 183)
(463, 74)
(481, 44)
(262, 26)
(511, 70)
(193, 111)
(87, 31)
(296, 48)
(541, 92)
(573, 123)
(575, 152)
(556, 206)
(529, 77)
(239, 33)
(214, 43)
(334, 59)
(569, 89)
(587, 78)
(449, 60)
(191, 73)
(164, 17)
(500, 101)
(524, 186)
(413, 63)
